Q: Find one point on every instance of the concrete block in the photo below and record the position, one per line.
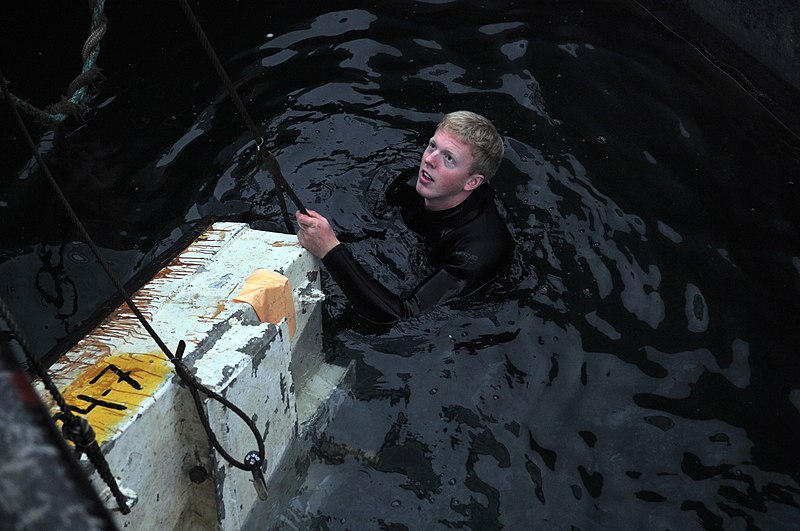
(144, 416)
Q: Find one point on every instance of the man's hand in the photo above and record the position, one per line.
(315, 233)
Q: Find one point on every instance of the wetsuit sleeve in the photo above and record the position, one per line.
(374, 301)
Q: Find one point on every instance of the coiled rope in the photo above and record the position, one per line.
(72, 104)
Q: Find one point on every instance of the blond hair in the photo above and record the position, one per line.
(481, 135)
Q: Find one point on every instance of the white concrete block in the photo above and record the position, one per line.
(145, 419)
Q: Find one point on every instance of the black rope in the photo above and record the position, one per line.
(195, 386)
(270, 162)
(76, 429)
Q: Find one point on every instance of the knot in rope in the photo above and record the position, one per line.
(185, 373)
(181, 369)
(77, 429)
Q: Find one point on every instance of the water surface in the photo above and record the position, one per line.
(635, 369)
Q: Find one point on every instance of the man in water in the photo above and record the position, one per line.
(450, 205)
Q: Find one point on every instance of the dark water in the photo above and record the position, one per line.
(636, 369)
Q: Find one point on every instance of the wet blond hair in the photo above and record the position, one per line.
(481, 135)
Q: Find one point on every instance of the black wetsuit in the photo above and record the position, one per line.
(467, 245)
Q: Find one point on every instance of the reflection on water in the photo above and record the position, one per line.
(635, 369)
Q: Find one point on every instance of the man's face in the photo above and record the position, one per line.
(444, 178)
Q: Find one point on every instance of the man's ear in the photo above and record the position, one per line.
(474, 181)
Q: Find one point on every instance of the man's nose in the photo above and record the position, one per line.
(429, 158)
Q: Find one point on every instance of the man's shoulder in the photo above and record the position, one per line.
(489, 218)
(485, 237)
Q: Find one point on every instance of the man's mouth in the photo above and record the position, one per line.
(426, 177)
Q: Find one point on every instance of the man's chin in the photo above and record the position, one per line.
(421, 188)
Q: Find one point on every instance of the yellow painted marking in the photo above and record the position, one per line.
(111, 391)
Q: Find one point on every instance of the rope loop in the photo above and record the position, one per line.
(196, 387)
(73, 104)
(252, 461)
(185, 374)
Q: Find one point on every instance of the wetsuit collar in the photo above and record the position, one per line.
(461, 213)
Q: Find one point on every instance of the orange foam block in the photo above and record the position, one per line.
(270, 295)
